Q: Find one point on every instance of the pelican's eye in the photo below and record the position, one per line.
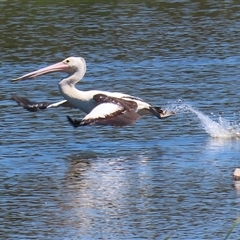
(67, 61)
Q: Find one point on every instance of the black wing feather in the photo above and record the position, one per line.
(29, 105)
(102, 98)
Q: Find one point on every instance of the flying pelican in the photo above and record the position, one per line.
(101, 107)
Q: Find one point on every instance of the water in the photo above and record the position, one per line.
(219, 128)
(144, 181)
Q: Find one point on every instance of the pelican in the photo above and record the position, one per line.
(101, 107)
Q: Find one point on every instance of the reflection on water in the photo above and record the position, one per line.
(237, 187)
(222, 143)
(141, 182)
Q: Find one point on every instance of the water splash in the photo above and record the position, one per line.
(220, 128)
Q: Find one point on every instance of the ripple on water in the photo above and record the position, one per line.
(145, 181)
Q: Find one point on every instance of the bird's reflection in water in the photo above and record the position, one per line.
(237, 187)
(105, 192)
(79, 163)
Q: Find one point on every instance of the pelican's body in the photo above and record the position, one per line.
(84, 99)
(101, 107)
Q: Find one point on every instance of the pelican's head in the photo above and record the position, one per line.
(76, 63)
(70, 65)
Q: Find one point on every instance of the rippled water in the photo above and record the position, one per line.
(144, 181)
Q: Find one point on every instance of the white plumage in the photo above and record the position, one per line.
(103, 111)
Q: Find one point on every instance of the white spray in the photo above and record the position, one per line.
(220, 128)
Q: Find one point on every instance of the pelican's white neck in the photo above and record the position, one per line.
(72, 79)
(67, 85)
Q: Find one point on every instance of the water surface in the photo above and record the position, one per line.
(144, 181)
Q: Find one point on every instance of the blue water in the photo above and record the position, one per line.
(146, 181)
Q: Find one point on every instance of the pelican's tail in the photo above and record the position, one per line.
(159, 113)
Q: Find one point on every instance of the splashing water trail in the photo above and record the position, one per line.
(221, 128)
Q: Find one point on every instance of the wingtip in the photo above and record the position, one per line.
(73, 122)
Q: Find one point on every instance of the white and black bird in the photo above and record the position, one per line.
(101, 107)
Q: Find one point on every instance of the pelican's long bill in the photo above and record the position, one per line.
(57, 67)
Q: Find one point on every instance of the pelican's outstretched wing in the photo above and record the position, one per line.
(35, 106)
(109, 111)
